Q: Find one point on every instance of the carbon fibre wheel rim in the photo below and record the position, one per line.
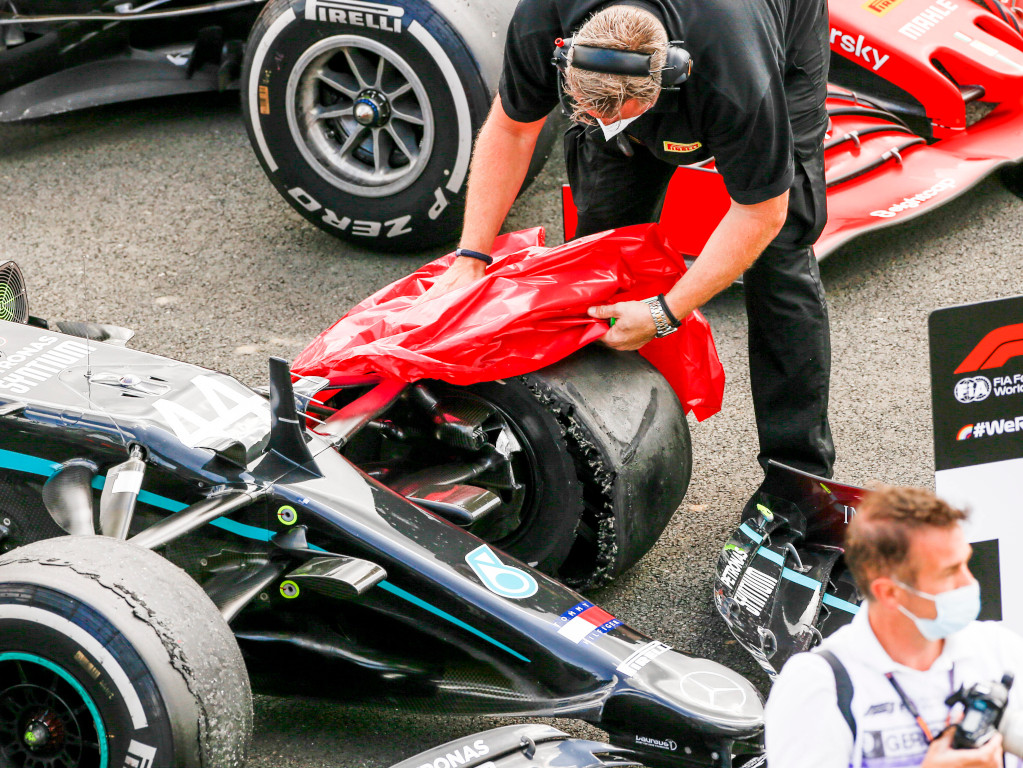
(360, 116)
(47, 719)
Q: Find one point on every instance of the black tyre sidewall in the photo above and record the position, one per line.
(427, 212)
(96, 673)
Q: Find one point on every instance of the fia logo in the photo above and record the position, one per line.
(972, 389)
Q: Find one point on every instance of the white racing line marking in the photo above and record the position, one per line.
(89, 643)
(257, 67)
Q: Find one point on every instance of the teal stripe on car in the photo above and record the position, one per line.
(37, 466)
(840, 604)
(399, 592)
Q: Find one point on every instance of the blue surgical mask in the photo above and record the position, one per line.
(956, 608)
(612, 130)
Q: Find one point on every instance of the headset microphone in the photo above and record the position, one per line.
(612, 61)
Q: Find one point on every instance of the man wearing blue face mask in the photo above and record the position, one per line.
(873, 695)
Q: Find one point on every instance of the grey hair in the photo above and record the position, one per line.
(620, 27)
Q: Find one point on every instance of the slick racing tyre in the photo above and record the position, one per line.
(590, 458)
(110, 656)
(632, 450)
(364, 119)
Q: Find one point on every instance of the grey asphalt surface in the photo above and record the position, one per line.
(157, 216)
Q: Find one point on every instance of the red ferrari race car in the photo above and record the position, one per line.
(925, 101)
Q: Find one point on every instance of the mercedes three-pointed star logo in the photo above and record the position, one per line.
(715, 689)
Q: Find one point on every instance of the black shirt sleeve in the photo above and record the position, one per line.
(529, 82)
(752, 148)
(740, 105)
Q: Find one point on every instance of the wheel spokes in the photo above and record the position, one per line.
(363, 117)
(408, 117)
(353, 140)
(378, 155)
(402, 147)
(333, 80)
(351, 59)
(333, 112)
(398, 92)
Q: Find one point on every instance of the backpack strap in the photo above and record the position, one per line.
(843, 688)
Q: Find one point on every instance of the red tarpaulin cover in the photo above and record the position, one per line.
(529, 311)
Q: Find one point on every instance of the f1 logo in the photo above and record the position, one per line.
(995, 349)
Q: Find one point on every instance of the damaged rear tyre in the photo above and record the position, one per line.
(110, 655)
(630, 440)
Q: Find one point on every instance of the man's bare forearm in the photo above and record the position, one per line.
(734, 245)
(499, 164)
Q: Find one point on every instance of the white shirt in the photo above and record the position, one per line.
(805, 729)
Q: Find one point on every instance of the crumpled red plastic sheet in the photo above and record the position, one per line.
(529, 311)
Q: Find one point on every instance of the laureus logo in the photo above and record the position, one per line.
(667, 744)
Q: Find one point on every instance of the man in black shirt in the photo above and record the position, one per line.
(755, 103)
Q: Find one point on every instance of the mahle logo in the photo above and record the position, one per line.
(972, 389)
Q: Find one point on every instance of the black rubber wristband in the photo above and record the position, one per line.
(675, 322)
(474, 255)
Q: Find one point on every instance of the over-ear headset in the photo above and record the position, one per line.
(676, 70)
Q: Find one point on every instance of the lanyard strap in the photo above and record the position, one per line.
(908, 702)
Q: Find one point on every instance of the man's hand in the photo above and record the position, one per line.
(941, 755)
(463, 271)
(633, 326)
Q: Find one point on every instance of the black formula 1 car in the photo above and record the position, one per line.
(240, 545)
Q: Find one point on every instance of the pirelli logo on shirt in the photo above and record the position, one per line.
(880, 7)
(675, 146)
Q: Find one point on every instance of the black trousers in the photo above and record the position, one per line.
(787, 315)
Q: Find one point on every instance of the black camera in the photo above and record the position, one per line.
(983, 707)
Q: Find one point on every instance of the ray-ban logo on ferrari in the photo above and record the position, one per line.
(996, 349)
(356, 13)
(881, 7)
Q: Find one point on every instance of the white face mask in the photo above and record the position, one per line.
(612, 130)
(955, 608)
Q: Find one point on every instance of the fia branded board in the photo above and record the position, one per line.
(977, 404)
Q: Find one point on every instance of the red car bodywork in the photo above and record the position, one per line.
(938, 60)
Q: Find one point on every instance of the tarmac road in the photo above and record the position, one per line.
(157, 216)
